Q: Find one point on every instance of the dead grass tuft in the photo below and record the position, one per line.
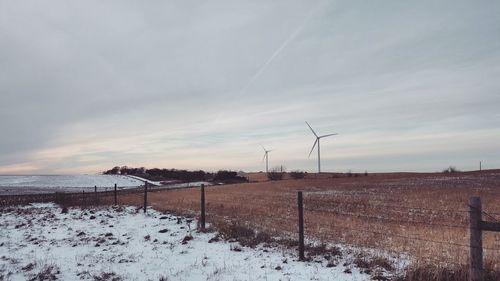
(107, 276)
(371, 265)
(243, 234)
(30, 266)
(186, 239)
(322, 250)
(46, 273)
(444, 272)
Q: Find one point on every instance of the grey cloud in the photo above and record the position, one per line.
(84, 72)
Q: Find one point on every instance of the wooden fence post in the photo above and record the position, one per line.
(145, 195)
(96, 197)
(301, 225)
(476, 241)
(202, 221)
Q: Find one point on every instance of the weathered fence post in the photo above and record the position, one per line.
(96, 197)
(116, 203)
(145, 195)
(476, 241)
(202, 219)
(301, 225)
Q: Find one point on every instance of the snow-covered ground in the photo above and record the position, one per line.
(67, 183)
(10, 185)
(144, 180)
(125, 244)
(187, 184)
(165, 184)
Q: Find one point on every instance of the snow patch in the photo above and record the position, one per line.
(124, 243)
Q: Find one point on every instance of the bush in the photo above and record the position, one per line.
(229, 177)
(297, 174)
(276, 173)
(451, 169)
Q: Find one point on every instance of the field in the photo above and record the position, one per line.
(62, 183)
(357, 227)
(423, 216)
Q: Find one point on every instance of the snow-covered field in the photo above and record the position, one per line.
(172, 184)
(68, 183)
(119, 243)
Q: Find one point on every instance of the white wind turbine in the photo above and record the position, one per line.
(266, 157)
(317, 141)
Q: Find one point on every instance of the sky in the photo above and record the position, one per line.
(407, 85)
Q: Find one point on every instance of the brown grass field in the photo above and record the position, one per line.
(424, 215)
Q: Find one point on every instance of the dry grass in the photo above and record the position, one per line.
(46, 273)
(429, 272)
(424, 215)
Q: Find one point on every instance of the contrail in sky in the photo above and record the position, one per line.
(261, 70)
(279, 50)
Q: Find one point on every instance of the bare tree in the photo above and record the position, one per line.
(276, 173)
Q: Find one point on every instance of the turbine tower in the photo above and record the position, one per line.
(266, 156)
(317, 142)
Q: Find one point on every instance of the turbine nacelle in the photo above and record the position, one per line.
(266, 152)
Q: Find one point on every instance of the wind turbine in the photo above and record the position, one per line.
(266, 156)
(317, 142)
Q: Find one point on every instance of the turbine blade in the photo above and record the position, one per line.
(263, 158)
(328, 135)
(312, 149)
(311, 129)
(263, 147)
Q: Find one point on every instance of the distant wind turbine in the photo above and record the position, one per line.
(266, 157)
(317, 142)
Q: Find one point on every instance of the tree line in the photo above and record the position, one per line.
(157, 174)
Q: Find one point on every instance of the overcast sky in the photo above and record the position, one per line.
(408, 85)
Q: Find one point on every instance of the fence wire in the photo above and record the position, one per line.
(346, 218)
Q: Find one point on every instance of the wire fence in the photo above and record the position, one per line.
(424, 233)
(436, 234)
(446, 230)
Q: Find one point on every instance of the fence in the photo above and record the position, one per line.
(90, 196)
(473, 250)
(87, 197)
(477, 226)
(360, 219)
